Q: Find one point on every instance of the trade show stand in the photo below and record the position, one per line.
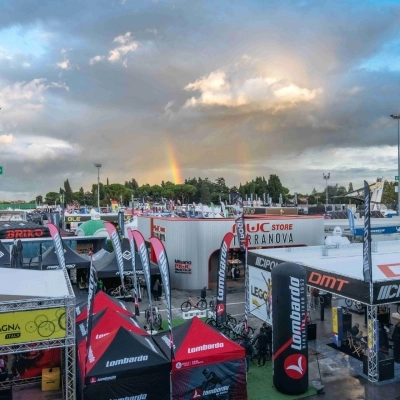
(385, 367)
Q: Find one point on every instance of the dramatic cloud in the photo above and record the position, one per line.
(209, 89)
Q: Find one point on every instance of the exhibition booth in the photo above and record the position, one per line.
(37, 310)
(193, 244)
(338, 270)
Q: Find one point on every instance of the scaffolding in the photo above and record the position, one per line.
(66, 343)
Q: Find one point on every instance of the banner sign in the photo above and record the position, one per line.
(90, 306)
(239, 219)
(32, 326)
(162, 261)
(121, 223)
(117, 249)
(355, 289)
(261, 294)
(387, 292)
(183, 267)
(290, 344)
(58, 245)
(135, 283)
(144, 257)
(221, 287)
(367, 260)
(381, 230)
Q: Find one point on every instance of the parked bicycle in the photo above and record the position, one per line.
(153, 319)
(235, 331)
(211, 304)
(359, 306)
(189, 303)
(121, 291)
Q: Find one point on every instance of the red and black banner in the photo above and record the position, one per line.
(289, 315)
(367, 260)
(58, 245)
(144, 257)
(135, 285)
(90, 305)
(221, 287)
(162, 261)
(117, 249)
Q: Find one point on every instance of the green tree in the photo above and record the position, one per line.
(389, 196)
(185, 192)
(68, 194)
(132, 184)
(52, 198)
(39, 199)
(350, 187)
(275, 188)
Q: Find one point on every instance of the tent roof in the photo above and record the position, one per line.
(72, 258)
(104, 322)
(90, 227)
(196, 341)
(121, 354)
(107, 266)
(4, 255)
(18, 283)
(101, 301)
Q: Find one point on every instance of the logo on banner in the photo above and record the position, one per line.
(389, 292)
(205, 347)
(127, 255)
(197, 394)
(93, 380)
(220, 309)
(295, 366)
(24, 233)
(178, 365)
(327, 281)
(126, 360)
(183, 267)
(159, 232)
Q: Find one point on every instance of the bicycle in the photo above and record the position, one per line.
(153, 319)
(359, 306)
(235, 331)
(187, 305)
(121, 291)
(316, 302)
(211, 305)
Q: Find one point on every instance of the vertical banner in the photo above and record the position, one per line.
(367, 262)
(221, 288)
(117, 249)
(350, 215)
(144, 257)
(135, 286)
(90, 306)
(213, 210)
(246, 286)
(121, 223)
(289, 335)
(58, 245)
(239, 220)
(162, 261)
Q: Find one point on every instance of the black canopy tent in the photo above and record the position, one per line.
(5, 256)
(107, 266)
(72, 259)
(125, 365)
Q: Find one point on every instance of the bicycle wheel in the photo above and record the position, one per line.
(398, 308)
(348, 302)
(202, 304)
(250, 331)
(211, 321)
(112, 292)
(231, 319)
(157, 323)
(359, 306)
(212, 305)
(186, 306)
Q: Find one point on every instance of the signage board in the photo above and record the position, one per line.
(32, 326)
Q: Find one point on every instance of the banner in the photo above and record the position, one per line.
(117, 249)
(367, 261)
(32, 326)
(144, 257)
(58, 245)
(221, 288)
(289, 314)
(351, 221)
(90, 305)
(239, 219)
(121, 223)
(260, 292)
(246, 286)
(135, 286)
(162, 261)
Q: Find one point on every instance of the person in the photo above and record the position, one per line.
(159, 294)
(262, 344)
(383, 339)
(314, 298)
(212, 380)
(100, 286)
(246, 344)
(3, 370)
(203, 293)
(155, 289)
(355, 331)
(233, 272)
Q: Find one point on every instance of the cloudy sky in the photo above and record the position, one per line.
(171, 89)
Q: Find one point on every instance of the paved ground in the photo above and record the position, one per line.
(340, 374)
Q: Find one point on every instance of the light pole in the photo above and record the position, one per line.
(98, 166)
(326, 177)
(398, 161)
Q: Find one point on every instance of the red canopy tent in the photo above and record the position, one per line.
(101, 301)
(207, 364)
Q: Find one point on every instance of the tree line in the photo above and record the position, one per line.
(199, 190)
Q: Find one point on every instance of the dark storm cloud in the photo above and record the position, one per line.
(293, 85)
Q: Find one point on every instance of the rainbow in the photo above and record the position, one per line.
(174, 164)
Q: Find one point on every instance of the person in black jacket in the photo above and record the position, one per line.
(262, 343)
(246, 344)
